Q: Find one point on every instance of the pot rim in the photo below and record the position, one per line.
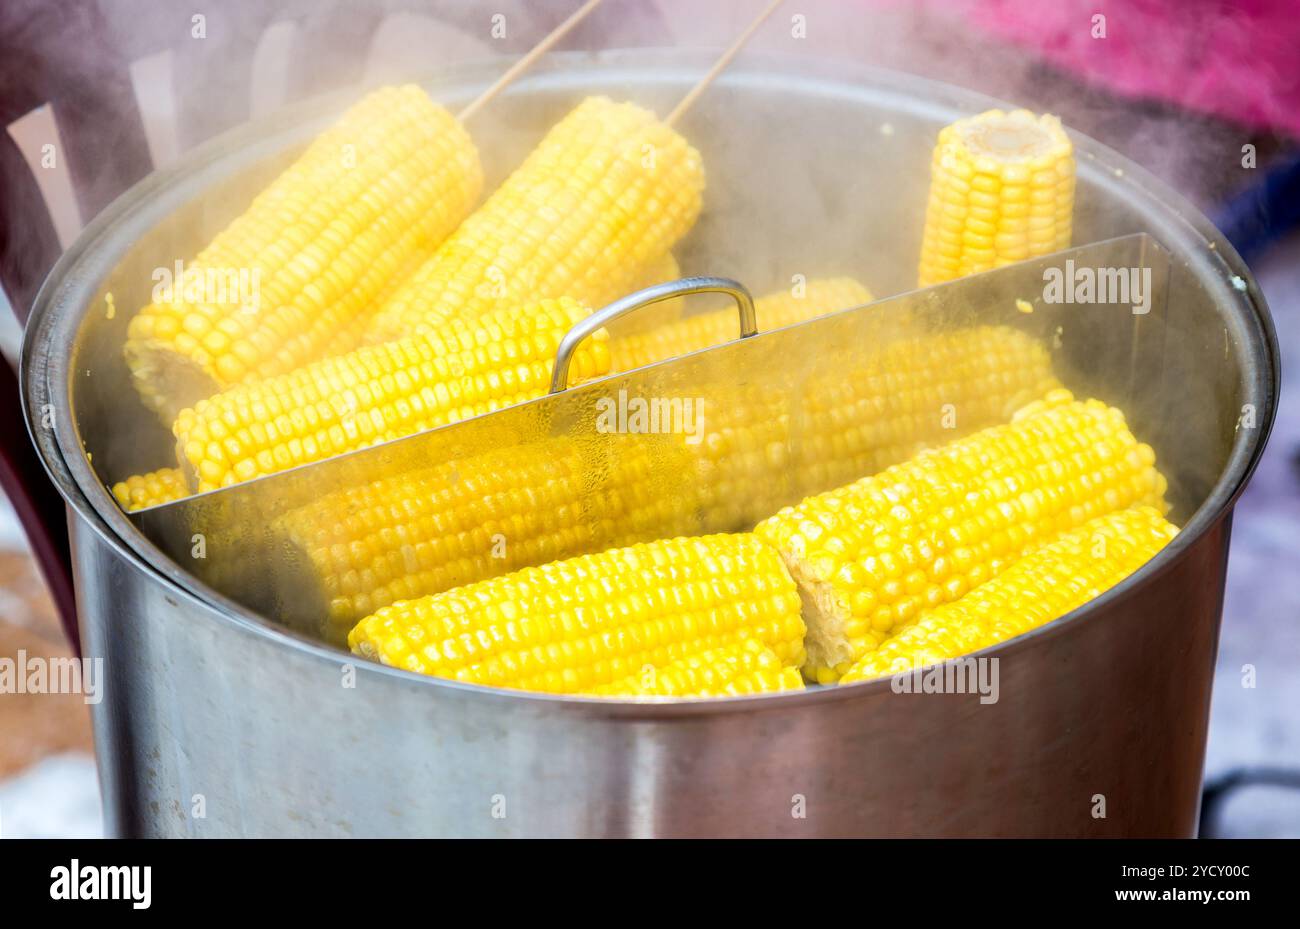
(59, 309)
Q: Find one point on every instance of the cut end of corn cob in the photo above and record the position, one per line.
(694, 333)
(1001, 191)
(577, 625)
(735, 670)
(381, 392)
(296, 276)
(140, 491)
(870, 556)
(609, 190)
(1063, 575)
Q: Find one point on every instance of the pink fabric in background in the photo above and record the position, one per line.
(1238, 60)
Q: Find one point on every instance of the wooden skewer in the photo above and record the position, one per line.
(720, 64)
(526, 62)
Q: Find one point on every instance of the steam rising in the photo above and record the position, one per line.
(795, 190)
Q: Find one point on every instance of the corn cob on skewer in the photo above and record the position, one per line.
(870, 556)
(381, 392)
(156, 487)
(734, 670)
(391, 179)
(1064, 574)
(607, 191)
(693, 333)
(1001, 190)
(573, 626)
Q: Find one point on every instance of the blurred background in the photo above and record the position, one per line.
(1205, 94)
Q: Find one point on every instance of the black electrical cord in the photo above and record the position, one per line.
(1217, 791)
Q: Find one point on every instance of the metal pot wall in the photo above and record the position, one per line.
(216, 722)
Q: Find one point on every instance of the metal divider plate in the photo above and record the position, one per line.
(730, 434)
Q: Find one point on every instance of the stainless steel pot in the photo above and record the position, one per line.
(218, 723)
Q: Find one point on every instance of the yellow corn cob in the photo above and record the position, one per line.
(1001, 190)
(1057, 578)
(397, 538)
(144, 490)
(734, 670)
(379, 393)
(609, 190)
(886, 406)
(573, 626)
(386, 183)
(868, 557)
(693, 333)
